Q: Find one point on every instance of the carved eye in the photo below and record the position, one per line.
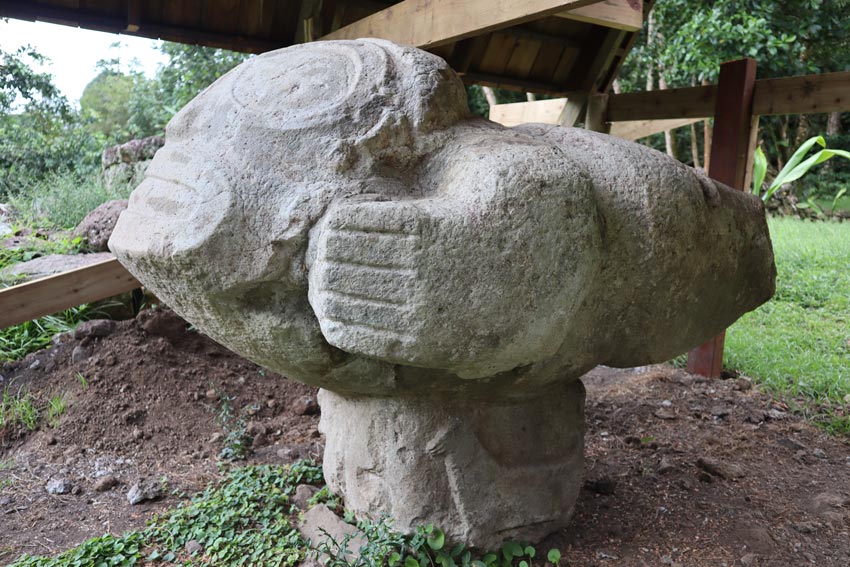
(311, 86)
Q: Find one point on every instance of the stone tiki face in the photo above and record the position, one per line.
(333, 211)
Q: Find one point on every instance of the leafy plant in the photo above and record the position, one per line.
(796, 167)
(237, 442)
(19, 340)
(55, 408)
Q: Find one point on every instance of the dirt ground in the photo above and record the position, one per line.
(680, 470)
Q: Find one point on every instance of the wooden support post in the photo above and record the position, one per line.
(731, 151)
(596, 118)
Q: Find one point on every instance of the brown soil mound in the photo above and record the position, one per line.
(680, 470)
(143, 402)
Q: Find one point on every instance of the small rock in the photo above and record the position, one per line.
(749, 560)
(305, 405)
(819, 453)
(665, 466)
(110, 360)
(162, 323)
(667, 403)
(791, 444)
(216, 437)
(705, 477)
(775, 414)
(79, 354)
(59, 486)
(720, 411)
(105, 483)
(259, 440)
(319, 524)
(664, 414)
(256, 428)
(807, 527)
(60, 338)
(142, 491)
(719, 468)
(36, 364)
(211, 395)
(603, 485)
(271, 403)
(193, 546)
(303, 493)
(138, 434)
(94, 328)
(742, 385)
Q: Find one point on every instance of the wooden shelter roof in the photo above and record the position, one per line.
(532, 45)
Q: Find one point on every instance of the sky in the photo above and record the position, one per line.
(74, 52)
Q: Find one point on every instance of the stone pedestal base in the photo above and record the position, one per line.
(483, 472)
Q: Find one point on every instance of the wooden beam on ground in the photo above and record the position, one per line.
(731, 151)
(637, 129)
(429, 23)
(515, 113)
(626, 15)
(56, 293)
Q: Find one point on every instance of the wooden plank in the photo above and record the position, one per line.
(515, 113)
(522, 58)
(637, 129)
(689, 102)
(808, 94)
(52, 294)
(829, 92)
(427, 23)
(731, 149)
(626, 15)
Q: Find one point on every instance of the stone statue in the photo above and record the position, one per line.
(334, 212)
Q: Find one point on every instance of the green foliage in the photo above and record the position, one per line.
(798, 344)
(62, 200)
(55, 408)
(796, 167)
(237, 442)
(106, 99)
(17, 408)
(19, 340)
(246, 520)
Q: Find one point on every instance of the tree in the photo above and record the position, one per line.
(40, 132)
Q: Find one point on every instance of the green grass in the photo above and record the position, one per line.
(19, 340)
(798, 344)
(17, 408)
(63, 200)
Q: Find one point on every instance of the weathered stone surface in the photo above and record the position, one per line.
(319, 522)
(364, 233)
(484, 472)
(334, 212)
(126, 163)
(97, 226)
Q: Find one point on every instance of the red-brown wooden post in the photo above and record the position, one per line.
(731, 160)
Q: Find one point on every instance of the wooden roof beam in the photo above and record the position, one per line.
(89, 20)
(626, 15)
(430, 23)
